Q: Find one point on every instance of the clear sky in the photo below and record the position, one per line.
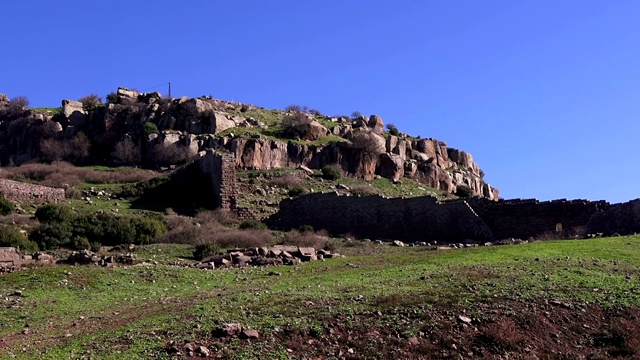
(544, 93)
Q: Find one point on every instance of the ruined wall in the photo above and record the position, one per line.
(532, 218)
(413, 219)
(9, 256)
(426, 219)
(222, 170)
(621, 218)
(25, 192)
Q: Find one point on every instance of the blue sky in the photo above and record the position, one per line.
(544, 94)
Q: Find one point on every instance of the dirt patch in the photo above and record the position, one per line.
(501, 330)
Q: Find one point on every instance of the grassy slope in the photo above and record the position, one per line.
(134, 312)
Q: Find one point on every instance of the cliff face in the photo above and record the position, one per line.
(162, 131)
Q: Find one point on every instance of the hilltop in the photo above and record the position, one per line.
(148, 130)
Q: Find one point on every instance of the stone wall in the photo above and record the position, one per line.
(532, 218)
(9, 256)
(426, 219)
(25, 192)
(222, 170)
(413, 219)
(621, 218)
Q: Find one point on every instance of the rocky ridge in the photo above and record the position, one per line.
(360, 146)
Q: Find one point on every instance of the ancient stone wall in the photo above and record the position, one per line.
(532, 218)
(621, 218)
(222, 170)
(25, 192)
(426, 219)
(413, 219)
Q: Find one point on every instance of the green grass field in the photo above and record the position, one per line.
(134, 312)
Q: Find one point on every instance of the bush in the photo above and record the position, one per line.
(126, 153)
(331, 172)
(6, 206)
(393, 130)
(147, 229)
(52, 236)
(356, 114)
(112, 98)
(90, 102)
(80, 243)
(12, 237)
(293, 125)
(150, 128)
(252, 225)
(96, 246)
(305, 228)
(54, 213)
(204, 250)
(297, 191)
(464, 191)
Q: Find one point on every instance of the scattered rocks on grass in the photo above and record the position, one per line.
(265, 256)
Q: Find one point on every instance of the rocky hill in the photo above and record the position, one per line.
(145, 129)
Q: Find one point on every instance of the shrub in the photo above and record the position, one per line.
(464, 191)
(305, 239)
(296, 191)
(204, 250)
(6, 206)
(19, 102)
(331, 172)
(147, 229)
(80, 243)
(126, 153)
(393, 130)
(51, 236)
(356, 114)
(90, 102)
(150, 128)
(305, 228)
(112, 98)
(363, 190)
(315, 112)
(252, 225)
(54, 213)
(11, 236)
(96, 246)
(294, 108)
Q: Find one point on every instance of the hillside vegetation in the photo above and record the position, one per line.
(555, 299)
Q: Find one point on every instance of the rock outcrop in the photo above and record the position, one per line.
(188, 126)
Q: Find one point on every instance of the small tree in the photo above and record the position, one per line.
(112, 98)
(19, 102)
(90, 102)
(126, 153)
(393, 130)
(356, 114)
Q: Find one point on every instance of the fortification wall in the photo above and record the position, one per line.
(426, 219)
(25, 192)
(623, 218)
(413, 219)
(532, 218)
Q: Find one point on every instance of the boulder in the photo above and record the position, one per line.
(391, 166)
(126, 93)
(312, 131)
(376, 124)
(74, 112)
(220, 122)
(228, 330)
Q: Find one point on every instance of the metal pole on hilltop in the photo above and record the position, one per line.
(169, 90)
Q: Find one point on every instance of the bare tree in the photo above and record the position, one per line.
(126, 152)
